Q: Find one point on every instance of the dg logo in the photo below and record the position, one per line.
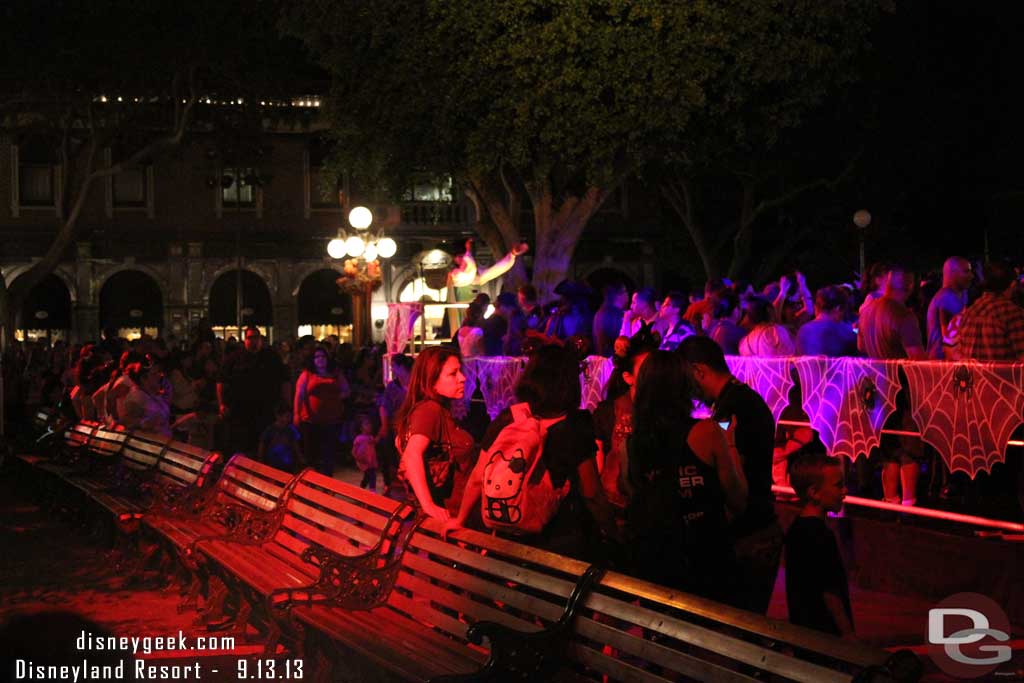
(964, 632)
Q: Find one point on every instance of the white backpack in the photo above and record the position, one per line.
(518, 496)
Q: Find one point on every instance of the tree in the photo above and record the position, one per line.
(777, 102)
(539, 105)
(136, 79)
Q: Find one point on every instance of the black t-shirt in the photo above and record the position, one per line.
(755, 439)
(495, 329)
(568, 444)
(252, 381)
(813, 568)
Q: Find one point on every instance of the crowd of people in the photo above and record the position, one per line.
(294, 404)
(639, 483)
(970, 311)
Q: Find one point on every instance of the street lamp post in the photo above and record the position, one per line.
(862, 219)
(365, 248)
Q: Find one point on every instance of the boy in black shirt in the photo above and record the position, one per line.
(816, 585)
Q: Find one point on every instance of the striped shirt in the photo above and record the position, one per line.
(992, 329)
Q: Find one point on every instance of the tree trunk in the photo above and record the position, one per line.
(680, 198)
(558, 233)
(743, 242)
(7, 316)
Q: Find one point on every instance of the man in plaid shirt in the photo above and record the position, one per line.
(992, 328)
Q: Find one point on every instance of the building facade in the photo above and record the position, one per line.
(164, 246)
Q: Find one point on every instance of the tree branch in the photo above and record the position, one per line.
(784, 199)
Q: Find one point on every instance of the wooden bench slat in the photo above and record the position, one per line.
(171, 470)
(424, 653)
(422, 612)
(490, 565)
(183, 461)
(246, 497)
(858, 654)
(341, 545)
(139, 445)
(373, 517)
(367, 499)
(674, 660)
(712, 641)
(238, 478)
(495, 590)
(241, 463)
(617, 669)
(370, 529)
(460, 603)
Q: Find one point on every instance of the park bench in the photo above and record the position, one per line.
(546, 615)
(246, 494)
(63, 456)
(327, 543)
(553, 618)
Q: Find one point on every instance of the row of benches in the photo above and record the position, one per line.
(371, 591)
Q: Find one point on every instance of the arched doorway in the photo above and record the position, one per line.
(131, 302)
(257, 308)
(323, 308)
(602, 277)
(46, 312)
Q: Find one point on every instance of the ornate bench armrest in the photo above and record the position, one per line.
(171, 499)
(242, 524)
(354, 582)
(519, 656)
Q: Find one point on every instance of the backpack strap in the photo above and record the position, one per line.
(544, 425)
(520, 411)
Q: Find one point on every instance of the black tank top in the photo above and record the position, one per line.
(676, 517)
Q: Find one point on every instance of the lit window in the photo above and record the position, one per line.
(238, 187)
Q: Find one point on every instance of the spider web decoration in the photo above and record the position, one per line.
(597, 370)
(769, 377)
(848, 400)
(497, 378)
(398, 329)
(460, 409)
(967, 411)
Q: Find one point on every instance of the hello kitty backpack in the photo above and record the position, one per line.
(518, 496)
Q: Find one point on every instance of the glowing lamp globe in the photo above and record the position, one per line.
(360, 218)
(370, 253)
(387, 247)
(355, 245)
(336, 248)
(862, 219)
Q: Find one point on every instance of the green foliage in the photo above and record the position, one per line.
(571, 90)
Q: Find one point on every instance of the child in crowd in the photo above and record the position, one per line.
(816, 587)
(364, 450)
(279, 443)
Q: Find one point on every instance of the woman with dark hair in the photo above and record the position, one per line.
(685, 474)
(320, 393)
(388, 404)
(432, 446)
(766, 338)
(470, 336)
(550, 385)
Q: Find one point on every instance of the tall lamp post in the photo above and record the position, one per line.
(862, 219)
(362, 272)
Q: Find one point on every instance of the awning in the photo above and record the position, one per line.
(131, 298)
(321, 302)
(257, 308)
